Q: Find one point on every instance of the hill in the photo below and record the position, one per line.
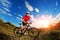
(6, 33)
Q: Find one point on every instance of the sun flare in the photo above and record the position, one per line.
(42, 22)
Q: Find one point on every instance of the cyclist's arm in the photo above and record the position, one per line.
(23, 20)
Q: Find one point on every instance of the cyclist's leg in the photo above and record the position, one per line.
(24, 27)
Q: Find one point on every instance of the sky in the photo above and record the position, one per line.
(13, 10)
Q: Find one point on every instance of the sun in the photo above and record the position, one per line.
(42, 21)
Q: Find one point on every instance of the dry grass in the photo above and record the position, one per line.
(6, 30)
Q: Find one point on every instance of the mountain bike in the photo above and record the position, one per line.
(32, 31)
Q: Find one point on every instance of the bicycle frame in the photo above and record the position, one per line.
(26, 28)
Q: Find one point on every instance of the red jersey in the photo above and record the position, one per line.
(26, 18)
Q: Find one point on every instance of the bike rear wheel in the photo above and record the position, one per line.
(33, 32)
(16, 32)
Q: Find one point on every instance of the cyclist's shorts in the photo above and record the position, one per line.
(24, 24)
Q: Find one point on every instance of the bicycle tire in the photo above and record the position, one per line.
(17, 30)
(33, 35)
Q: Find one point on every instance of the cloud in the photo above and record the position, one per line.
(58, 17)
(19, 18)
(8, 2)
(9, 14)
(37, 10)
(32, 17)
(6, 9)
(20, 15)
(37, 15)
(28, 6)
(56, 3)
(27, 12)
(4, 12)
(5, 3)
(1, 10)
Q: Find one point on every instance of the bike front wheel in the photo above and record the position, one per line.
(33, 32)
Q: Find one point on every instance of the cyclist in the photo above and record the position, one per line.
(25, 21)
